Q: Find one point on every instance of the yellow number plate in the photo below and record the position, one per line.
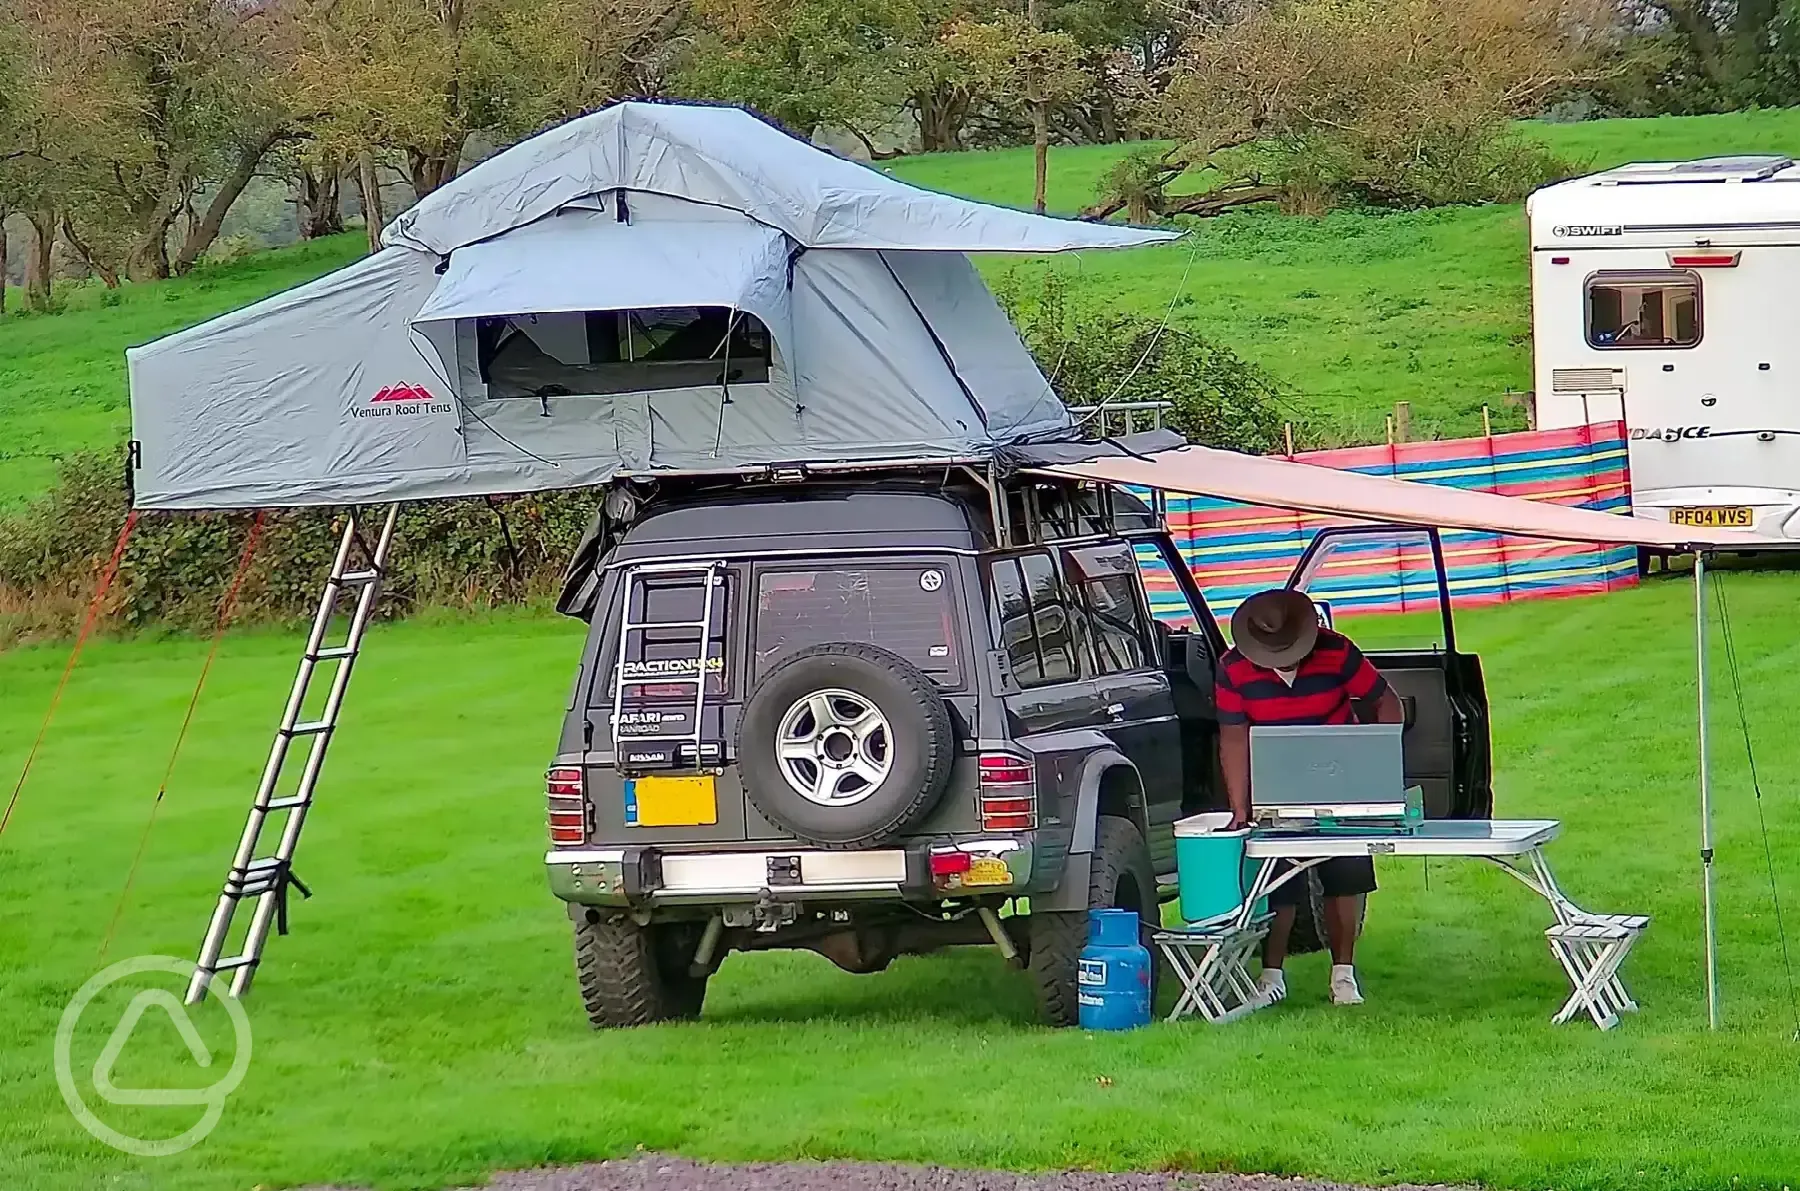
(987, 870)
(1714, 516)
(671, 802)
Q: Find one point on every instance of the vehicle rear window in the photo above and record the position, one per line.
(1643, 310)
(904, 609)
(667, 647)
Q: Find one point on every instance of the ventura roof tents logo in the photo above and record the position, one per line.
(403, 398)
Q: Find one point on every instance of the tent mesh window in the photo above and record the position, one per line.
(621, 351)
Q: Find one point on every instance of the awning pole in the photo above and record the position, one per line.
(1706, 838)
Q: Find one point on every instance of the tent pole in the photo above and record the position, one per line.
(1706, 837)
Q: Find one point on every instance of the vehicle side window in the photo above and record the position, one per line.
(1106, 585)
(1654, 309)
(1033, 610)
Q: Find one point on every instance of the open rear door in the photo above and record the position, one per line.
(1349, 572)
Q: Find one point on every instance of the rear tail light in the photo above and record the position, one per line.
(1008, 793)
(1703, 260)
(945, 864)
(568, 809)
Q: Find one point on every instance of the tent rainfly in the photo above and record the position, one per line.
(651, 287)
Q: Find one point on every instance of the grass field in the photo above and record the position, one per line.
(1353, 311)
(420, 1025)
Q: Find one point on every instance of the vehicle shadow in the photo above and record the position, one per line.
(956, 986)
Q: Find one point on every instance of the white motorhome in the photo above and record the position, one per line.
(1660, 297)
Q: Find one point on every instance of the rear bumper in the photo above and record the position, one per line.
(647, 876)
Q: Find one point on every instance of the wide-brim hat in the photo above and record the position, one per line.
(1276, 629)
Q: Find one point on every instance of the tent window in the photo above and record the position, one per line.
(1643, 310)
(621, 351)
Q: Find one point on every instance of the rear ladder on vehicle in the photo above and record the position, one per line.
(360, 569)
(680, 745)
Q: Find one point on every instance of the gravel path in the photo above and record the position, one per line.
(652, 1172)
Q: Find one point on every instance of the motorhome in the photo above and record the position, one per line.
(1659, 295)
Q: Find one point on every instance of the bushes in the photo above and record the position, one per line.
(1096, 355)
(177, 566)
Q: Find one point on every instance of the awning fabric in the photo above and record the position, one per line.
(589, 260)
(1255, 479)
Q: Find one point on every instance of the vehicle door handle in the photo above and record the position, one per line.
(1116, 710)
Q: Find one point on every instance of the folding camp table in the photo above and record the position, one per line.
(1590, 947)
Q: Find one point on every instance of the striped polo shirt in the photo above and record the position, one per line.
(1325, 682)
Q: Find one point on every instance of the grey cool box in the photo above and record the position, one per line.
(1327, 771)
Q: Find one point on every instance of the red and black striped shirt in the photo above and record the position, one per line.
(1325, 682)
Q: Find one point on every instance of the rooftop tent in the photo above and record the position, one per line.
(652, 287)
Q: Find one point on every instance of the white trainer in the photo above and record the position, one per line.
(1271, 986)
(1343, 985)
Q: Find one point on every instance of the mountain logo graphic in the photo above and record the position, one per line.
(403, 391)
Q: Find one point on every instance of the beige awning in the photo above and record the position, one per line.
(1259, 480)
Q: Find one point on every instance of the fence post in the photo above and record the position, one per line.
(1287, 430)
(1487, 425)
(1403, 421)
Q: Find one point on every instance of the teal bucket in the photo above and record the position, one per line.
(1214, 874)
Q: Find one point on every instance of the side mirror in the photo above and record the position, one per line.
(1324, 607)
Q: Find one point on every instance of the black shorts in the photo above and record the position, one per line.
(1341, 876)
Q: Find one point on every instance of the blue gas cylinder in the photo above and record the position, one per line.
(1113, 978)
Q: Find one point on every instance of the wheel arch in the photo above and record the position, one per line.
(1110, 785)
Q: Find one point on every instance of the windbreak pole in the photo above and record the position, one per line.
(1706, 835)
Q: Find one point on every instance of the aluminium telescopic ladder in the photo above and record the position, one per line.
(688, 743)
(266, 879)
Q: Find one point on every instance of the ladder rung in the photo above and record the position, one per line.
(234, 963)
(664, 681)
(335, 653)
(312, 728)
(282, 804)
(349, 577)
(639, 625)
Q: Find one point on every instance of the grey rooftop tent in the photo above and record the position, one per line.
(651, 287)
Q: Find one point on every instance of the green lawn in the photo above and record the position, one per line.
(1353, 311)
(420, 1025)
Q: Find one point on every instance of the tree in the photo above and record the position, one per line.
(1014, 61)
(424, 77)
(28, 174)
(1094, 357)
(154, 98)
(808, 64)
(1401, 103)
(1683, 57)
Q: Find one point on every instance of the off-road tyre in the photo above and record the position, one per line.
(633, 975)
(1309, 919)
(1120, 876)
(921, 742)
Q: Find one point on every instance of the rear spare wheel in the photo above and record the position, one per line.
(633, 975)
(845, 745)
(1120, 876)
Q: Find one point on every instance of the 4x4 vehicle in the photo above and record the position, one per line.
(892, 712)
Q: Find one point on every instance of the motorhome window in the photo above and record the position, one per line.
(669, 647)
(1036, 630)
(904, 609)
(621, 351)
(1643, 310)
(1105, 579)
